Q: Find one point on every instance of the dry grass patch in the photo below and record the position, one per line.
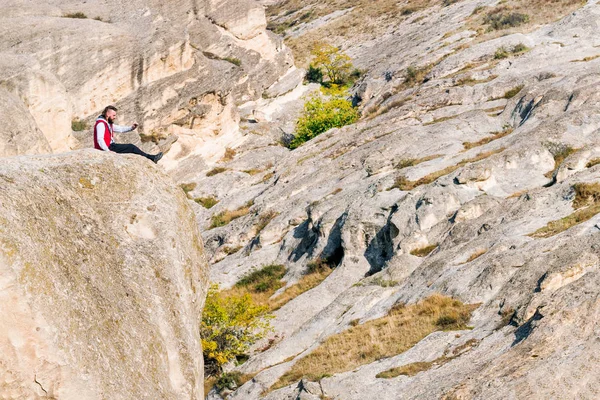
(495, 136)
(513, 92)
(403, 183)
(225, 217)
(587, 204)
(424, 251)
(393, 334)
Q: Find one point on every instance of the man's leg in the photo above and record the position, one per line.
(130, 148)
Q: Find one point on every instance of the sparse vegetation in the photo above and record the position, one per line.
(502, 18)
(206, 202)
(586, 59)
(586, 204)
(76, 15)
(320, 115)
(265, 279)
(592, 162)
(229, 250)
(215, 171)
(403, 183)
(393, 334)
(225, 217)
(78, 125)
(424, 251)
(495, 136)
(560, 154)
(476, 255)
(513, 92)
(264, 219)
(233, 60)
(469, 81)
(188, 187)
(413, 369)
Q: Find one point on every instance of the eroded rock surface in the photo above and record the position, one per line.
(102, 280)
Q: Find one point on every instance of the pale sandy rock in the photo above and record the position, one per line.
(103, 280)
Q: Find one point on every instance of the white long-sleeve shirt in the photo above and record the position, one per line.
(100, 130)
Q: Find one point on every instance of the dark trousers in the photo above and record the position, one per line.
(129, 148)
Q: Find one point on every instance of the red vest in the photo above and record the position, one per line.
(107, 134)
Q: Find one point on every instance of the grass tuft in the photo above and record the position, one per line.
(266, 279)
(592, 162)
(513, 92)
(76, 15)
(559, 157)
(78, 125)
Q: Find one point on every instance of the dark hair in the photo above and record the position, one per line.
(108, 108)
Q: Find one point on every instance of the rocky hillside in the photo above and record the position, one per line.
(443, 246)
(472, 173)
(102, 282)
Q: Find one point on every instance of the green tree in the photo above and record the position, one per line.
(336, 63)
(320, 115)
(230, 325)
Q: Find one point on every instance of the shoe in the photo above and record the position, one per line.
(157, 157)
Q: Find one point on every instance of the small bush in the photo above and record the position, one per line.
(320, 115)
(314, 74)
(230, 325)
(78, 125)
(264, 220)
(501, 53)
(76, 15)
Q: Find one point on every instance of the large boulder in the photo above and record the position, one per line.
(102, 280)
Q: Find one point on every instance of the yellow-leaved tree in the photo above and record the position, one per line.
(230, 325)
(337, 65)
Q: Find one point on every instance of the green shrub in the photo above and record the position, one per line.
(264, 279)
(230, 325)
(233, 60)
(320, 115)
(314, 74)
(501, 53)
(78, 125)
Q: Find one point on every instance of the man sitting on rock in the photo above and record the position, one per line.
(103, 135)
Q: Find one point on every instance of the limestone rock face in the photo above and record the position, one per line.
(102, 280)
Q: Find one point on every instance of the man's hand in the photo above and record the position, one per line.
(135, 125)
